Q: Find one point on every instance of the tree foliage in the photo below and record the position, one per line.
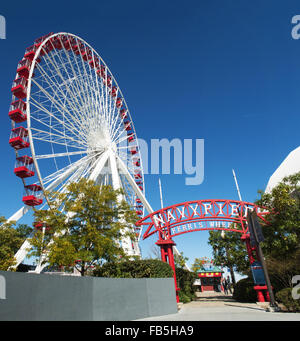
(142, 268)
(180, 260)
(282, 235)
(199, 263)
(11, 238)
(229, 251)
(84, 226)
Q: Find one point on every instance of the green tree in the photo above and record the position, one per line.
(229, 251)
(84, 227)
(281, 245)
(180, 260)
(199, 263)
(11, 238)
(282, 235)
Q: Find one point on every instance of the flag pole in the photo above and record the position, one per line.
(237, 185)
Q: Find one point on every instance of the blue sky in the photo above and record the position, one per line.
(227, 72)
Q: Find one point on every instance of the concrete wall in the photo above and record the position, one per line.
(32, 297)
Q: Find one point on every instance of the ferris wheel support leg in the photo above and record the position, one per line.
(21, 253)
(130, 247)
(19, 214)
(99, 166)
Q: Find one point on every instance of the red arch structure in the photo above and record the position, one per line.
(201, 215)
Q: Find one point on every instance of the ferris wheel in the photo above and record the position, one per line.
(70, 120)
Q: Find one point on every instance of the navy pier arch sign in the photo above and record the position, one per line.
(200, 215)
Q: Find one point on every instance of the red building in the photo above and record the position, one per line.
(210, 278)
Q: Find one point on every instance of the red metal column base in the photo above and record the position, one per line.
(260, 296)
(260, 289)
(167, 254)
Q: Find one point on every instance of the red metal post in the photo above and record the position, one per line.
(250, 249)
(166, 248)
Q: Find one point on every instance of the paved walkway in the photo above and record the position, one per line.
(212, 306)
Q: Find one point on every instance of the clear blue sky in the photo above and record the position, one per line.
(224, 71)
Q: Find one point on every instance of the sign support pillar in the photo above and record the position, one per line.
(166, 249)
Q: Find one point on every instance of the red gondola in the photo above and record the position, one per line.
(133, 150)
(114, 91)
(139, 212)
(39, 225)
(94, 63)
(17, 111)
(33, 195)
(102, 71)
(57, 43)
(39, 41)
(86, 54)
(24, 167)
(48, 47)
(19, 87)
(24, 68)
(137, 162)
(130, 137)
(30, 52)
(127, 125)
(76, 47)
(119, 102)
(123, 113)
(138, 176)
(107, 81)
(19, 138)
(68, 42)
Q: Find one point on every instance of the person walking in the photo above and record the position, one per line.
(229, 285)
(225, 287)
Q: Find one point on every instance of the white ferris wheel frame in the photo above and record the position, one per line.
(117, 165)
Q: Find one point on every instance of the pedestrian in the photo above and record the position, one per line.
(224, 283)
(229, 284)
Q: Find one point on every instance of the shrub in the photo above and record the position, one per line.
(284, 296)
(244, 291)
(183, 297)
(185, 280)
(148, 268)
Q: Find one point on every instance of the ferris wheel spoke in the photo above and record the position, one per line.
(55, 87)
(52, 127)
(58, 177)
(48, 137)
(72, 100)
(87, 86)
(48, 156)
(57, 104)
(77, 81)
(72, 79)
(48, 116)
(69, 99)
